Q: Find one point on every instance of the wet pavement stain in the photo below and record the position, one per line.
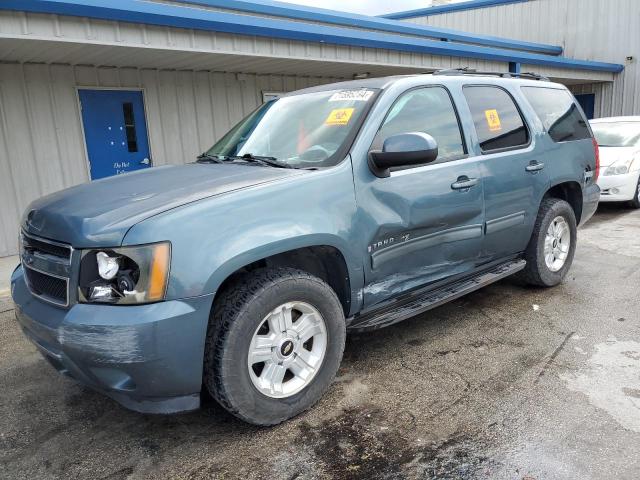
(363, 444)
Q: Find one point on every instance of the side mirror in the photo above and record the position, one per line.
(404, 149)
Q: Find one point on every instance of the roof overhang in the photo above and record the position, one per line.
(454, 7)
(322, 15)
(197, 19)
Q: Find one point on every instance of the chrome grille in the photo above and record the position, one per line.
(47, 247)
(46, 286)
(47, 267)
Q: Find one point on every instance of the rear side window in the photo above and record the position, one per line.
(498, 122)
(558, 113)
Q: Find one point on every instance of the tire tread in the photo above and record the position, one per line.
(229, 306)
(531, 273)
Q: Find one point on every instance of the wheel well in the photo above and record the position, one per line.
(571, 192)
(324, 262)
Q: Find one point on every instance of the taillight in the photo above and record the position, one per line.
(596, 151)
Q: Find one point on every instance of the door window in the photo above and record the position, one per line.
(130, 126)
(498, 122)
(427, 110)
(558, 113)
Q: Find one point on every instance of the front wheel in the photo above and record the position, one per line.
(552, 246)
(274, 345)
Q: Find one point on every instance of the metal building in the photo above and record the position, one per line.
(91, 88)
(599, 30)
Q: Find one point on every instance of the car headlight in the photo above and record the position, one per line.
(126, 275)
(621, 167)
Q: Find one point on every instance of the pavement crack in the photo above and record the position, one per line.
(553, 356)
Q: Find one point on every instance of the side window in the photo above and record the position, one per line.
(497, 119)
(428, 110)
(558, 113)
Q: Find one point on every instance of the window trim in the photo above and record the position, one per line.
(573, 99)
(438, 160)
(522, 146)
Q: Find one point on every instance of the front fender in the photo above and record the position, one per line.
(214, 237)
(259, 252)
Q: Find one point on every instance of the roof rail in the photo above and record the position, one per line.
(470, 71)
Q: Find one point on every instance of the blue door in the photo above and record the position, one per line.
(115, 131)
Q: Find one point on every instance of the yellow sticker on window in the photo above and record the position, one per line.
(339, 116)
(493, 120)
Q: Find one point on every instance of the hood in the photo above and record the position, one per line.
(101, 212)
(610, 155)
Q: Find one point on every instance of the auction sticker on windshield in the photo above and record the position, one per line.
(339, 116)
(346, 95)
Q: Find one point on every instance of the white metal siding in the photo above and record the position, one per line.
(601, 30)
(41, 143)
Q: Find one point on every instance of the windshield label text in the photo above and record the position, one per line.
(354, 95)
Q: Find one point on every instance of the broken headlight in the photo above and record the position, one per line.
(126, 275)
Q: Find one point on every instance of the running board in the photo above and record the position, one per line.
(427, 298)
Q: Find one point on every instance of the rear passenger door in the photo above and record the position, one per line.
(513, 170)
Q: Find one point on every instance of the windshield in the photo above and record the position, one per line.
(301, 131)
(617, 134)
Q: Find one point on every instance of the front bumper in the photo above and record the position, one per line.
(146, 357)
(618, 188)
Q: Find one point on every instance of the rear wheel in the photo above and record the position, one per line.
(551, 248)
(274, 345)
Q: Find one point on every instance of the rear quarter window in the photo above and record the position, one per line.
(558, 112)
(499, 124)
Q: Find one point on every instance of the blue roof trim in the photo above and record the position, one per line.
(298, 12)
(456, 7)
(183, 17)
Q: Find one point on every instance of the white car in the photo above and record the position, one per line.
(619, 141)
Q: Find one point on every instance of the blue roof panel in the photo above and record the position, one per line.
(454, 7)
(299, 12)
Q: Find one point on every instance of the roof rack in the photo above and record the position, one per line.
(470, 71)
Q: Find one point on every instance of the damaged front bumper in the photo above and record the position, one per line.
(146, 357)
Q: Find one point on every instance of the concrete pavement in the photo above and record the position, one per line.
(7, 265)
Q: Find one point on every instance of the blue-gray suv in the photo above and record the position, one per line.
(343, 207)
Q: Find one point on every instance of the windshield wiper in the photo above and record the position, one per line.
(270, 161)
(206, 158)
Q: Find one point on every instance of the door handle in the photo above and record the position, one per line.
(464, 183)
(144, 161)
(534, 166)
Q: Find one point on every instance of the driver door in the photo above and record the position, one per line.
(421, 226)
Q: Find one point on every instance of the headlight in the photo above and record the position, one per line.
(620, 167)
(126, 275)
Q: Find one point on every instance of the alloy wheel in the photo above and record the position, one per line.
(557, 243)
(287, 349)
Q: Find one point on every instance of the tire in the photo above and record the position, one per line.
(242, 312)
(539, 271)
(635, 203)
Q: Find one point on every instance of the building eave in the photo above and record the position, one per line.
(299, 12)
(455, 7)
(178, 16)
